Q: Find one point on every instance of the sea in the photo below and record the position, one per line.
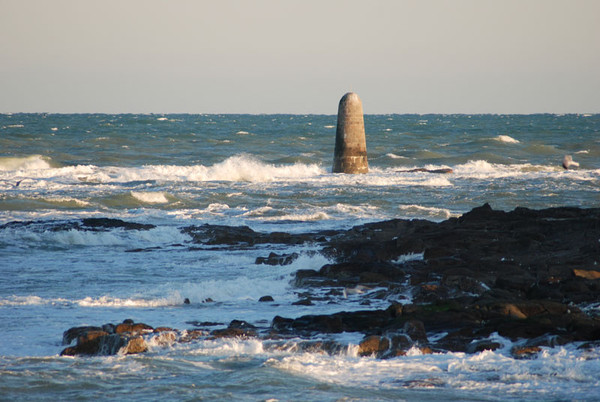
(270, 173)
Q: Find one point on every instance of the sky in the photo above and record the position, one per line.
(288, 56)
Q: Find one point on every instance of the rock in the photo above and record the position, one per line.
(165, 338)
(266, 299)
(520, 274)
(373, 345)
(104, 344)
(350, 154)
(243, 236)
(73, 333)
(415, 329)
(367, 321)
(400, 343)
(233, 333)
(480, 346)
(108, 223)
(241, 325)
(303, 302)
(439, 171)
(163, 329)
(236, 329)
(587, 274)
(525, 352)
(133, 328)
(134, 345)
(276, 259)
(189, 336)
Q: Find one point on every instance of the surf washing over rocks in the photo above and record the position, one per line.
(158, 235)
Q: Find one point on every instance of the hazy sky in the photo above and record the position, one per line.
(268, 56)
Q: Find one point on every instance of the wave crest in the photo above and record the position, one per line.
(31, 162)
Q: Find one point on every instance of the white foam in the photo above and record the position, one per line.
(430, 212)
(23, 301)
(409, 257)
(487, 373)
(235, 168)
(362, 210)
(480, 169)
(102, 301)
(506, 139)
(255, 282)
(107, 301)
(390, 177)
(308, 217)
(261, 211)
(36, 172)
(394, 156)
(150, 197)
(229, 347)
(158, 236)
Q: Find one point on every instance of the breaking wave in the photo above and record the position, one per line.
(31, 162)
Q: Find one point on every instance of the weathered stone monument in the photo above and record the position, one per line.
(350, 155)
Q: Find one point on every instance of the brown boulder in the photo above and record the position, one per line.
(373, 345)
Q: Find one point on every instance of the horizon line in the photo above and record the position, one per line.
(311, 114)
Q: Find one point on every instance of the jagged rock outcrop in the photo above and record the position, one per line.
(525, 275)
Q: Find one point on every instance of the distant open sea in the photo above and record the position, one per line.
(272, 173)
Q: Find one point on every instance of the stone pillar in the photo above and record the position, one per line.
(350, 155)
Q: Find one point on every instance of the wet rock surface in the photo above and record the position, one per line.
(85, 225)
(464, 284)
(522, 274)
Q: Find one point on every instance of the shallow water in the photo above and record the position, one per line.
(272, 173)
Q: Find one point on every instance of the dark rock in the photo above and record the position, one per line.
(277, 259)
(204, 323)
(519, 274)
(266, 299)
(233, 333)
(73, 333)
(236, 329)
(241, 325)
(415, 329)
(303, 302)
(400, 344)
(245, 236)
(108, 223)
(480, 346)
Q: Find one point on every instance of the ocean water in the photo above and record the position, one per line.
(271, 173)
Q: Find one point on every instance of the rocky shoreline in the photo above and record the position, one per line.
(529, 276)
